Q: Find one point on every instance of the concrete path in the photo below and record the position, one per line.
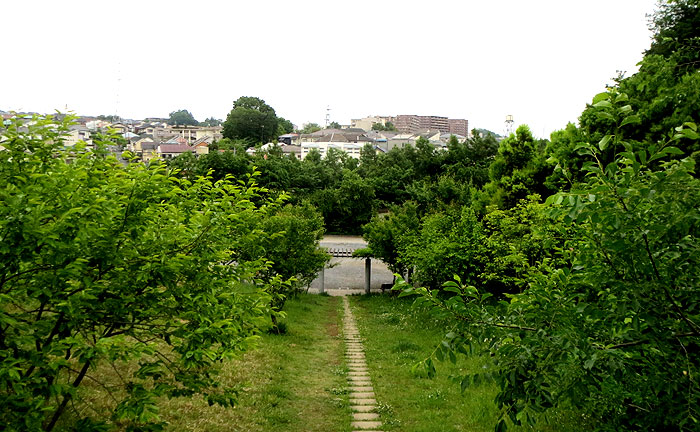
(362, 400)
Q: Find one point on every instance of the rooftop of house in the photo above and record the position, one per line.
(174, 148)
(291, 149)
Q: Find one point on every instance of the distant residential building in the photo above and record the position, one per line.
(121, 128)
(209, 131)
(411, 123)
(292, 150)
(163, 133)
(136, 145)
(350, 141)
(201, 146)
(287, 150)
(288, 139)
(148, 151)
(76, 134)
(435, 137)
(189, 133)
(367, 122)
(169, 151)
(446, 137)
(459, 127)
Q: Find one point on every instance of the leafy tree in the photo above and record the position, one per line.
(349, 206)
(252, 120)
(448, 244)
(389, 126)
(483, 133)
(310, 128)
(295, 233)
(614, 333)
(436, 195)
(518, 170)
(469, 162)
(186, 165)
(182, 118)
(390, 235)
(232, 162)
(389, 174)
(334, 125)
(284, 126)
(515, 241)
(676, 33)
(562, 151)
(110, 117)
(426, 159)
(210, 122)
(105, 264)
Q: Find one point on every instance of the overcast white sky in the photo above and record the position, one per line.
(539, 60)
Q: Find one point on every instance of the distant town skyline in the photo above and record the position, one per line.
(539, 61)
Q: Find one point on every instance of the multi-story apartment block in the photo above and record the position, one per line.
(406, 123)
(410, 123)
(434, 123)
(459, 127)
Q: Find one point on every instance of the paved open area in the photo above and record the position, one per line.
(346, 276)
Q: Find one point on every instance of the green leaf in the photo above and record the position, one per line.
(600, 97)
(633, 119)
(603, 144)
(602, 104)
(672, 150)
(622, 97)
(625, 109)
(464, 384)
(690, 134)
(605, 115)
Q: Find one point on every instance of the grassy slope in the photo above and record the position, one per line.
(396, 338)
(292, 382)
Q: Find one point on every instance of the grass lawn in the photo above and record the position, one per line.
(292, 382)
(298, 381)
(395, 339)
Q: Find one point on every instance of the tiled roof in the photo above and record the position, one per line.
(174, 148)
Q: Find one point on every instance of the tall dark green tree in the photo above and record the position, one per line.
(284, 126)
(182, 118)
(252, 120)
(211, 121)
(469, 162)
(518, 170)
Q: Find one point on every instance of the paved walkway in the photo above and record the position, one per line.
(362, 400)
(346, 276)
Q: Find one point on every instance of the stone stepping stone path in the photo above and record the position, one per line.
(362, 401)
